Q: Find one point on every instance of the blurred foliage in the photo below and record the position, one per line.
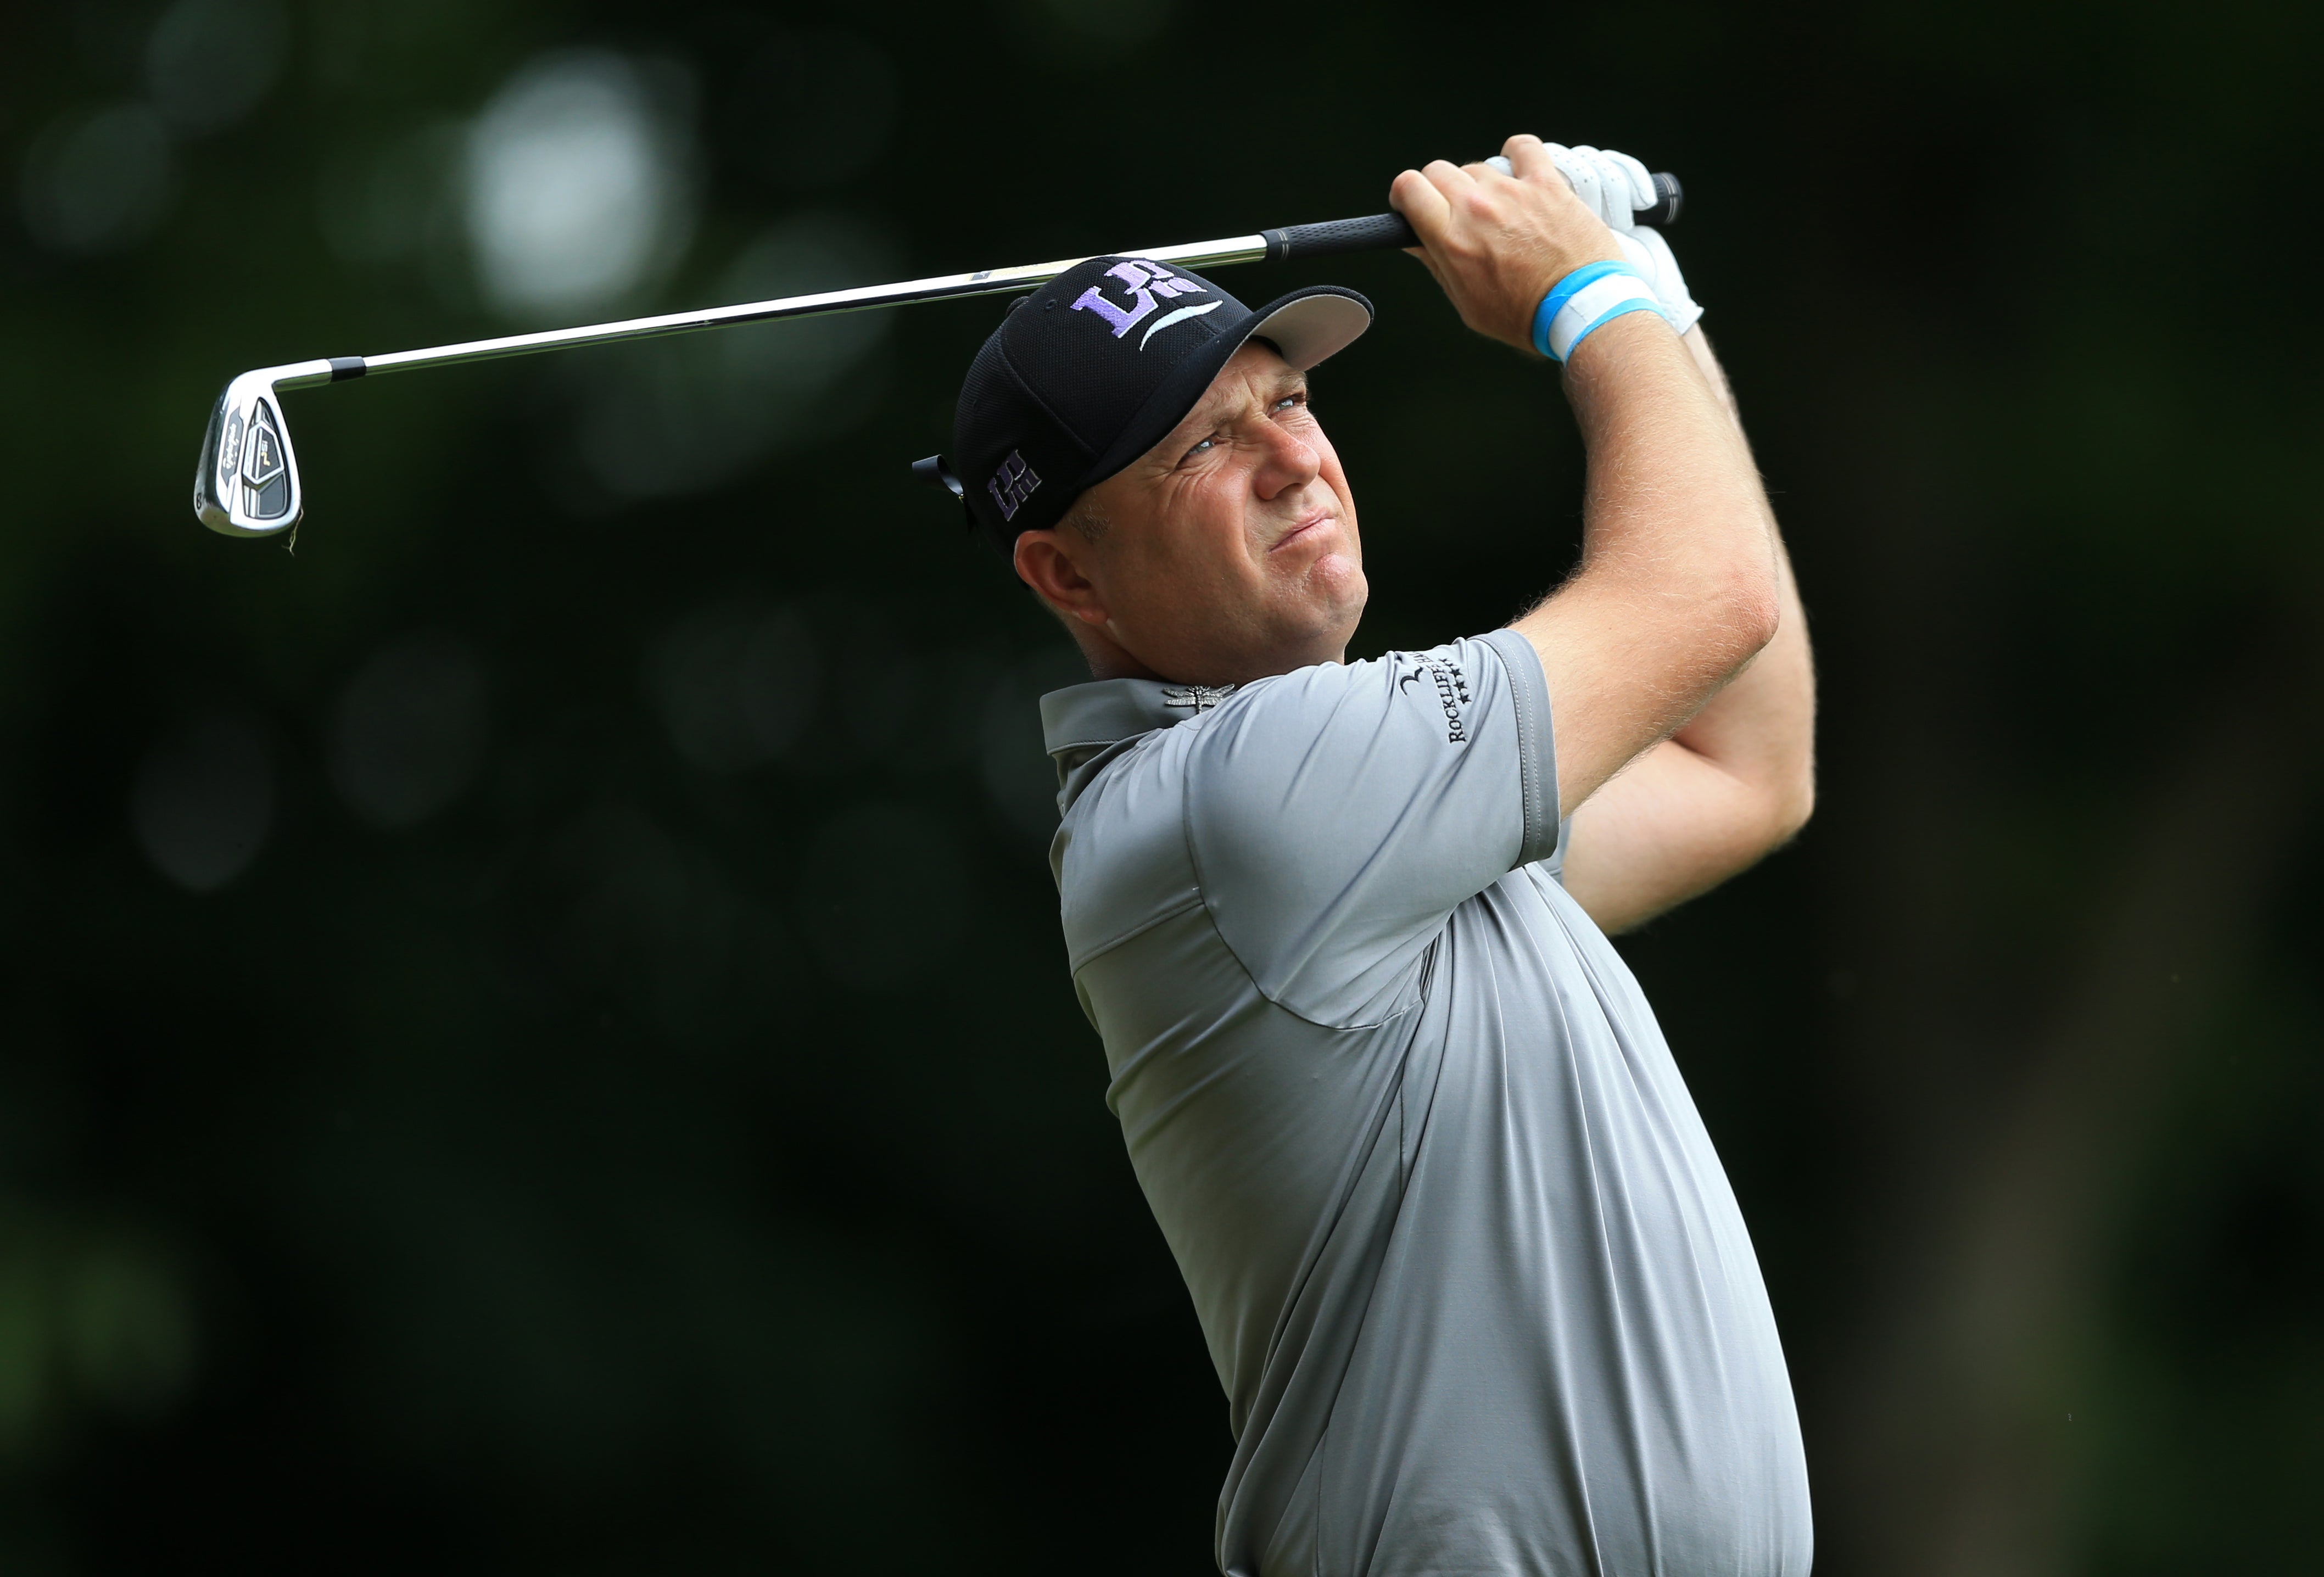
(532, 1032)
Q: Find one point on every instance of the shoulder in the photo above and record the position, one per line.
(1119, 855)
(1408, 707)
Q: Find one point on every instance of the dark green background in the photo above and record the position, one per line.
(619, 1169)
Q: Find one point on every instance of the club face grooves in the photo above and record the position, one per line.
(248, 481)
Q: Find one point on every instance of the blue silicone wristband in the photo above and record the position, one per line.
(1589, 273)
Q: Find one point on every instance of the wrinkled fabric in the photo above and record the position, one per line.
(1473, 1280)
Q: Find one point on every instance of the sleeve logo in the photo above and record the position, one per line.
(1450, 684)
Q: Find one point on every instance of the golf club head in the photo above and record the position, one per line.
(248, 481)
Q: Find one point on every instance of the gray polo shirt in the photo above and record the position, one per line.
(1474, 1280)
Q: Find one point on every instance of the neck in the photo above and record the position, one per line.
(1106, 657)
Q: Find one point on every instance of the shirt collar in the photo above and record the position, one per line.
(1082, 722)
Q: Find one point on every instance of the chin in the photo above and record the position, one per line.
(1340, 587)
(1334, 594)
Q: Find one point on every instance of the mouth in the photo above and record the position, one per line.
(1306, 530)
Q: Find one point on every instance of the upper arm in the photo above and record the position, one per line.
(1672, 825)
(1336, 814)
(1735, 783)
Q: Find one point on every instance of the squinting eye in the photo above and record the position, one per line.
(1198, 448)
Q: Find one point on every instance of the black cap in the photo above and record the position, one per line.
(1095, 368)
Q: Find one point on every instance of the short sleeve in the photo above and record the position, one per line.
(1337, 815)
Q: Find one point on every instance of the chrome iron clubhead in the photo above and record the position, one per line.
(247, 485)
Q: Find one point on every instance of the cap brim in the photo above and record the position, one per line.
(1305, 326)
(1311, 325)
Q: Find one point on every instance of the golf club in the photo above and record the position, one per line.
(247, 482)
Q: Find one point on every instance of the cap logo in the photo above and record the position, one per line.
(1144, 281)
(1011, 485)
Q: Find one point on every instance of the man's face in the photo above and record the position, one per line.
(1225, 553)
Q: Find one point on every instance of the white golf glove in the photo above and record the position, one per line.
(1615, 185)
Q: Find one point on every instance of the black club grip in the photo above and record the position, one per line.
(1381, 231)
(1669, 196)
(1376, 233)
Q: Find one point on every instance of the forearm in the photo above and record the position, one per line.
(1761, 727)
(1736, 781)
(1678, 586)
(1698, 349)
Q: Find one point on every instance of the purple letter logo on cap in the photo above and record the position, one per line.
(1146, 281)
(1011, 485)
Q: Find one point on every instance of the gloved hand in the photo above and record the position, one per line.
(1613, 186)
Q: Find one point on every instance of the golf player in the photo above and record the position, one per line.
(1474, 1280)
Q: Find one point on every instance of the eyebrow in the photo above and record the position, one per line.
(1206, 415)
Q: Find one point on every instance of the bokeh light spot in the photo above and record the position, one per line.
(736, 683)
(683, 415)
(203, 800)
(408, 732)
(99, 182)
(576, 181)
(210, 62)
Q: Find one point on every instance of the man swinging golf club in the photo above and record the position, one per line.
(1474, 1282)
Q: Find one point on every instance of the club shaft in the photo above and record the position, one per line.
(1378, 230)
(983, 283)
(246, 482)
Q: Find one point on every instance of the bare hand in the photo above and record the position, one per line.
(1498, 242)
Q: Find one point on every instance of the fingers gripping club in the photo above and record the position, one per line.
(1380, 231)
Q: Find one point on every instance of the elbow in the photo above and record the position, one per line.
(1778, 809)
(1793, 805)
(1749, 611)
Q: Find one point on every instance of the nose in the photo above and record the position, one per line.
(1289, 463)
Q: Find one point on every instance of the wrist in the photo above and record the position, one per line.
(1587, 299)
(1616, 351)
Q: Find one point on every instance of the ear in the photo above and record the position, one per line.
(1046, 562)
